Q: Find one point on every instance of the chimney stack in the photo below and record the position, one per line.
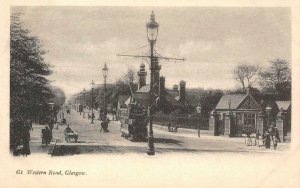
(142, 76)
(182, 91)
(156, 69)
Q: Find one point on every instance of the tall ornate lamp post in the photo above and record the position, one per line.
(199, 111)
(152, 33)
(83, 103)
(105, 72)
(92, 105)
(268, 110)
(80, 103)
(77, 102)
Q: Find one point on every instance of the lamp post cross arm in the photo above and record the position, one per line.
(145, 56)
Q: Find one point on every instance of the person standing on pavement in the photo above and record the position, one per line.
(169, 126)
(275, 141)
(107, 121)
(277, 134)
(268, 140)
(257, 135)
(25, 140)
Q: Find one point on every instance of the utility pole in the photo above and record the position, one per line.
(152, 33)
(92, 105)
(105, 72)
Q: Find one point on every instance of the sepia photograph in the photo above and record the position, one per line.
(122, 80)
(158, 92)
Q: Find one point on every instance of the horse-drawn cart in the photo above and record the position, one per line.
(71, 136)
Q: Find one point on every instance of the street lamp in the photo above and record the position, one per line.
(199, 111)
(83, 103)
(105, 72)
(77, 103)
(80, 103)
(152, 33)
(268, 110)
(92, 84)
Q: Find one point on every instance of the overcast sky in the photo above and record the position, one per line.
(212, 40)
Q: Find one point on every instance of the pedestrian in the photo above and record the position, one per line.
(264, 138)
(29, 124)
(102, 126)
(257, 135)
(275, 141)
(272, 130)
(25, 142)
(107, 121)
(268, 140)
(277, 134)
(248, 139)
(175, 129)
(46, 136)
(169, 126)
(51, 124)
(260, 141)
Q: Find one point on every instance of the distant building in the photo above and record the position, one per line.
(243, 107)
(165, 99)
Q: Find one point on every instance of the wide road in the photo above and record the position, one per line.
(91, 140)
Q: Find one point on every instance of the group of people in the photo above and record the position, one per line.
(266, 139)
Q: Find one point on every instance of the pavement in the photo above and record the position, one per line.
(92, 141)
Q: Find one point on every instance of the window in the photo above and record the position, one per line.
(249, 119)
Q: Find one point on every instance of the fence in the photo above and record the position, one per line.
(182, 121)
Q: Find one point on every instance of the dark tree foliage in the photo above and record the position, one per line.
(208, 99)
(30, 90)
(59, 96)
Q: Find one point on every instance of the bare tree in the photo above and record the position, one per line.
(278, 73)
(246, 75)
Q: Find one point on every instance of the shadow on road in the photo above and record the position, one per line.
(167, 141)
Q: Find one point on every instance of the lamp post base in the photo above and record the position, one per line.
(150, 149)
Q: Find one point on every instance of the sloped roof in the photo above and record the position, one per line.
(235, 99)
(283, 104)
(143, 100)
(122, 98)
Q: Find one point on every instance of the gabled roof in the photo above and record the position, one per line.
(234, 99)
(283, 104)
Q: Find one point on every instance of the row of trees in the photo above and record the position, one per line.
(125, 85)
(30, 89)
(275, 79)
